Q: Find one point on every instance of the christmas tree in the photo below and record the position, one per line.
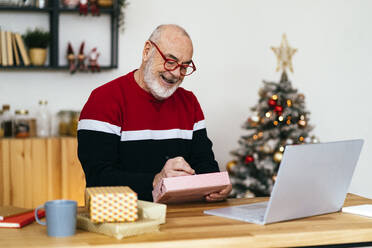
(279, 119)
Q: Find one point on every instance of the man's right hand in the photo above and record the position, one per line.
(174, 167)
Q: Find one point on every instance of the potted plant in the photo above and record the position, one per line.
(37, 41)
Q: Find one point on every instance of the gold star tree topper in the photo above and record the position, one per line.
(284, 55)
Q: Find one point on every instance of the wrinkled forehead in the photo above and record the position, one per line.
(177, 45)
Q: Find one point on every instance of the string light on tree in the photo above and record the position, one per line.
(278, 157)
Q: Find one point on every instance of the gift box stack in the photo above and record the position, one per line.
(116, 211)
(111, 204)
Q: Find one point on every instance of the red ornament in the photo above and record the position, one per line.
(278, 109)
(248, 159)
(272, 103)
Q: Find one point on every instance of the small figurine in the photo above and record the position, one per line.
(93, 60)
(94, 7)
(83, 7)
(71, 58)
(81, 58)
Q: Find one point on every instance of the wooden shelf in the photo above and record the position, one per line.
(54, 10)
(25, 9)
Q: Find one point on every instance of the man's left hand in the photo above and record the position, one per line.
(219, 196)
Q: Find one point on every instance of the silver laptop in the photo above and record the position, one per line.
(313, 179)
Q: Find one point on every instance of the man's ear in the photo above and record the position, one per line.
(146, 51)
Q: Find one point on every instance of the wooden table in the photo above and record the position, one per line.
(187, 226)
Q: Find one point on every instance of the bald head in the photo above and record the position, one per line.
(171, 28)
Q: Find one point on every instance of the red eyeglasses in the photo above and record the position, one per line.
(171, 64)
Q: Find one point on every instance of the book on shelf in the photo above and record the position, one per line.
(20, 220)
(9, 47)
(8, 211)
(4, 54)
(15, 50)
(22, 49)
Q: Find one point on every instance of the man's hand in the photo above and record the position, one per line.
(174, 167)
(219, 196)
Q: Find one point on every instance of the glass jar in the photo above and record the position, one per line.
(7, 123)
(64, 118)
(43, 120)
(74, 123)
(21, 124)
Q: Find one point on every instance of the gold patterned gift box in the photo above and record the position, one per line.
(111, 204)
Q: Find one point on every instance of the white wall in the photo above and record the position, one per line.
(232, 42)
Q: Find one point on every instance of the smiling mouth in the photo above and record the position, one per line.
(168, 81)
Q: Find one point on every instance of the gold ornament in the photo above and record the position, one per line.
(231, 164)
(278, 157)
(275, 123)
(284, 54)
(289, 103)
(301, 138)
(274, 97)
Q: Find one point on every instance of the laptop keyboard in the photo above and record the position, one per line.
(254, 211)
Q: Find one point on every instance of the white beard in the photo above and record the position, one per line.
(155, 87)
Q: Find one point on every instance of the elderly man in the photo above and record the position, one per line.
(142, 127)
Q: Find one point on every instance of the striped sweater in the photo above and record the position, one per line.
(125, 135)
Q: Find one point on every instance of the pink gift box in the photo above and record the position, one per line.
(189, 188)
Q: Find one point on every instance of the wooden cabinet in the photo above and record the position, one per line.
(36, 170)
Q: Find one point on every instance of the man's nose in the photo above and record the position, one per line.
(177, 72)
